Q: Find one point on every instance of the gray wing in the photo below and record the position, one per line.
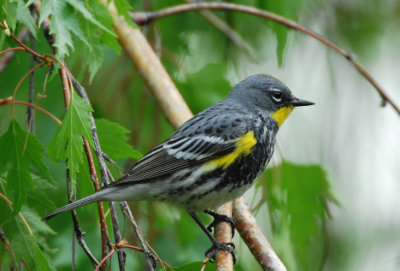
(189, 146)
(179, 153)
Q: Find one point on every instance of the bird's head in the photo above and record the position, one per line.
(268, 94)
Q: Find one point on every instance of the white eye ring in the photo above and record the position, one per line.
(277, 96)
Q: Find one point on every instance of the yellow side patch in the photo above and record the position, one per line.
(281, 114)
(244, 144)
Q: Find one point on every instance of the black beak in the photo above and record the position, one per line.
(298, 102)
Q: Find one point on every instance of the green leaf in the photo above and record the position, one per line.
(10, 10)
(113, 140)
(25, 17)
(40, 260)
(23, 231)
(288, 9)
(297, 201)
(94, 56)
(18, 159)
(63, 22)
(67, 143)
(35, 222)
(123, 8)
(80, 7)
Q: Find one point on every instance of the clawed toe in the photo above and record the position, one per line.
(211, 253)
(221, 218)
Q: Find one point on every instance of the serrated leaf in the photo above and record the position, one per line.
(113, 140)
(24, 16)
(63, 22)
(297, 199)
(24, 238)
(123, 8)
(80, 7)
(67, 143)
(35, 222)
(104, 17)
(17, 159)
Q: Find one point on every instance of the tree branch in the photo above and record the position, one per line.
(142, 18)
(254, 238)
(223, 232)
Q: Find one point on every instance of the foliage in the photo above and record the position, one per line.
(199, 58)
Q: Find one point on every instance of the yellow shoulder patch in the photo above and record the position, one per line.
(244, 144)
(281, 114)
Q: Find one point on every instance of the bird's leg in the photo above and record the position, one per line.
(211, 253)
(221, 218)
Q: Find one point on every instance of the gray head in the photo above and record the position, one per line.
(267, 93)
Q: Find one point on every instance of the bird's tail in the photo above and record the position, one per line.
(98, 196)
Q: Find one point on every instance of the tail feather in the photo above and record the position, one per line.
(81, 202)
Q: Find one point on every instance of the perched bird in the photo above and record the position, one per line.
(213, 158)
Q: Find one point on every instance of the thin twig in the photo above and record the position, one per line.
(110, 160)
(23, 36)
(100, 265)
(142, 18)
(9, 101)
(29, 50)
(79, 233)
(151, 261)
(30, 125)
(254, 238)
(93, 177)
(7, 245)
(19, 84)
(117, 236)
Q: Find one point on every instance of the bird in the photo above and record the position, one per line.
(213, 158)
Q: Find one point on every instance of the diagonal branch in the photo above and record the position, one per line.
(142, 18)
(254, 238)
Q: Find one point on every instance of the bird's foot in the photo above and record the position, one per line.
(221, 218)
(212, 252)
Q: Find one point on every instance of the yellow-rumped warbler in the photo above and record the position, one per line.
(211, 159)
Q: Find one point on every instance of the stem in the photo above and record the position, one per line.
(19, 84)
(254, 238)
(29, 50)
(105, 259)
(29, 111)
(93, 177)
(142, 18)
(9, 101)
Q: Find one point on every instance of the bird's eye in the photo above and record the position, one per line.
(277, 96)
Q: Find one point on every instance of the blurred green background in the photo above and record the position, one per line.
(329, 199)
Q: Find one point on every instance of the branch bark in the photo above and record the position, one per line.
(223, 232)
(254, 238)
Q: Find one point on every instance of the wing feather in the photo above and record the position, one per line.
(176, 154)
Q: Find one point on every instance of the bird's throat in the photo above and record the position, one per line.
(281, 114)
